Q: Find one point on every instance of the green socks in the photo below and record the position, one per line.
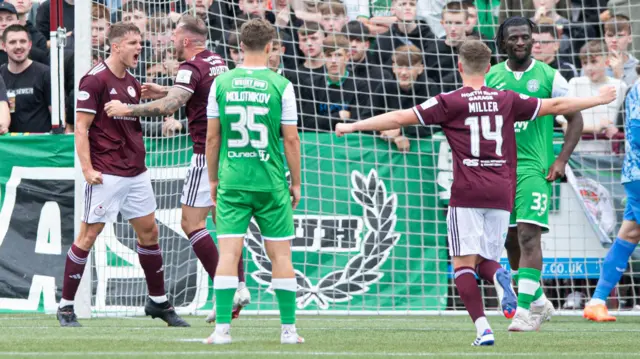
(528, 286)
(539, 293)
(286, 289)
(225, 288)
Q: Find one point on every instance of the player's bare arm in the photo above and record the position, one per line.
(83, 122)
(167, 105)
(567, 105)
(291, 141)
(571, 138)
(387, 121)
(212, 154)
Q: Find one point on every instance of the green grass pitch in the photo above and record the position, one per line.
(39, 336)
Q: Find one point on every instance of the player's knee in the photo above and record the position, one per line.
(88, 235)
(529, 240)
(190, 225)
(630, 233)
(511, 244)
(149, 236)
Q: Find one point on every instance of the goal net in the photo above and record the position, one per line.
(370, 230)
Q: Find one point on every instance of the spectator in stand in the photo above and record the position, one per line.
(442, 55)
(631, 10)
(28, 82)
(334, 16)
(378, 16)
(472, 18)
(43, 18)
(287, 23)
(336, 96)
(526, 8)
(8, 17)
(621, 63)
(410, 86)
(275, 63)
(233, 51)
(134, 11)
(546, 9)
(364, 65)
(472, 32)
(23, 7)
(488, 11)
(406, 31)
(5, 115)
(600, 121)
(99, 28)
(311, 38)
(545, 48)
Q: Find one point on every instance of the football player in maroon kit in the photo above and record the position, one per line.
(192, 85)
(478, 123)
(112, 155)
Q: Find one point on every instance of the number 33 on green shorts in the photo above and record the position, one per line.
(531, 204)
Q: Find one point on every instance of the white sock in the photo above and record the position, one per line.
(593, 301)
(242, 285)
(522, 311)
(482, 324)
(289, 327)
(159, 299)
(64, 302)
(223, 328)
(540, 301)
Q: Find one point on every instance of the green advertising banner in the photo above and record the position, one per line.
(370, 233)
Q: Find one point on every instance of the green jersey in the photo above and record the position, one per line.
(251, 105)
(534, 139)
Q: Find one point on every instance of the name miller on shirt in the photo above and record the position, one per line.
(483, 107)
(235, 96)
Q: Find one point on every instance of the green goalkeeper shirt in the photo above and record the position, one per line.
(534, 139)
(251, 104)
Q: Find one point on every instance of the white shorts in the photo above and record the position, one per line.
(196, 191)
(480, 231)
(131, 196)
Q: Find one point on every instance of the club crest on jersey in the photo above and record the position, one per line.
(131, 91)
(338, 234)
(533, 85)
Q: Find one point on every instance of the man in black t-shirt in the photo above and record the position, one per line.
(8, 17)
(28, 82)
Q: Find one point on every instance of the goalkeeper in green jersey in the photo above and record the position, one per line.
(537, 167)
(248, 107)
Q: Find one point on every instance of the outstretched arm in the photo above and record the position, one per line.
(569, 105)
(388, 121)
(168, 105)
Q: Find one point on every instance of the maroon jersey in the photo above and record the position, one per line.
(196, 76)
(115, 143)
(479, 128)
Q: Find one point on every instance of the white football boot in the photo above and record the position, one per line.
(219, 336)
(241, 299)
(545, 311)
(486, 339)
(525, 322)
(289, 335)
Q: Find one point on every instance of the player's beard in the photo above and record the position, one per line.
(19, 61)
(520, 57)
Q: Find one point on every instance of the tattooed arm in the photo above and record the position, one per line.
(167, 105)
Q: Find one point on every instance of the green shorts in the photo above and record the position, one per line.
(532, 201)
(271, 210)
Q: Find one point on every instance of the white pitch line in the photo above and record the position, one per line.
(319, 354)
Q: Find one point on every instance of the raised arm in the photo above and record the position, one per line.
(83, 122)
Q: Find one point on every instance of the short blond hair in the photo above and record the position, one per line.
(475, 57)
(407, 55)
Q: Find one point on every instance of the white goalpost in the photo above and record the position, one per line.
(370, 231)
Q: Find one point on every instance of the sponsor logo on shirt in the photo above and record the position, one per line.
(24, 91)
(250, 83)
(473, 162)
(83, 95)
(113, 92)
